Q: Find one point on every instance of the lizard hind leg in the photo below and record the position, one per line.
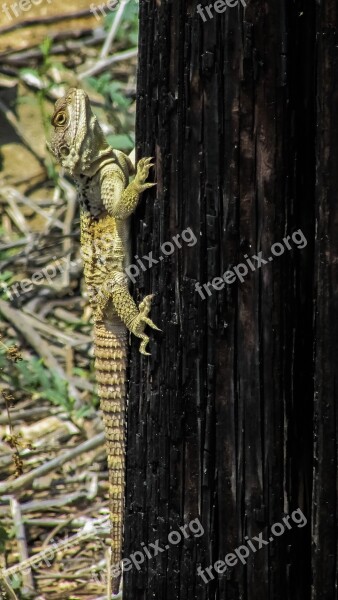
(141, 320)
(135, 318)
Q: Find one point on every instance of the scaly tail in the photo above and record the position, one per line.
(110, 364)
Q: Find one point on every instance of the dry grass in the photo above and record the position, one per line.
(54, 525)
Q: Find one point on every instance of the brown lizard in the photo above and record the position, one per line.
(107, 199)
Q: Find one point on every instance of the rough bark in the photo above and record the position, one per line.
(221, 417)
(325, 493)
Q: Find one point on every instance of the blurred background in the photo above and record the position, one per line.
(47, 392)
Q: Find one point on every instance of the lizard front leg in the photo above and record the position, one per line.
(121, 204)
(115, 285)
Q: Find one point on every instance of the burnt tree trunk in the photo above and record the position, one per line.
(232, 418)
(325, 485)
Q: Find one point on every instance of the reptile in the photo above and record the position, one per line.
(107, 200)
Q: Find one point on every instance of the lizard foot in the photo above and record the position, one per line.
(138, 324)
(143, 167)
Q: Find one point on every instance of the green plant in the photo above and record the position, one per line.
(119, 102)
(34, 379)
(127, 32)
(40, 74)
(119, 107)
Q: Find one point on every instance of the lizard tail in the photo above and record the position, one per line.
(110, 364)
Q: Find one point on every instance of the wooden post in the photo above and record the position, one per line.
(221, 415)
(325, 501)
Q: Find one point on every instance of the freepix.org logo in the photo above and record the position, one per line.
(218, 7)
(17, 8)
(253, 263)
(101, 10)
(244, 551)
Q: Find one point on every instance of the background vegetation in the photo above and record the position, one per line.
(47, 392)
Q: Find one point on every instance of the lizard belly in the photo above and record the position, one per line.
(102, 252)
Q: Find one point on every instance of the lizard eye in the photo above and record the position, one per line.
(59, 119)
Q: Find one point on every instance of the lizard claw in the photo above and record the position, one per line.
(142, 171)
(146, 186)
(140, 322)
(144, 345)
(151, 324)
(148, 160)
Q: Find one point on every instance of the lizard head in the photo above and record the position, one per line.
(77, 141)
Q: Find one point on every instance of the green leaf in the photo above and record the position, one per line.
(45, 46)
(16, 582)
(29, 71)
(100, 84)
(82, 412)
(121, 142)
(120, 100)
(6, 275)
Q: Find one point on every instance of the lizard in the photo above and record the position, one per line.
(107, 200)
